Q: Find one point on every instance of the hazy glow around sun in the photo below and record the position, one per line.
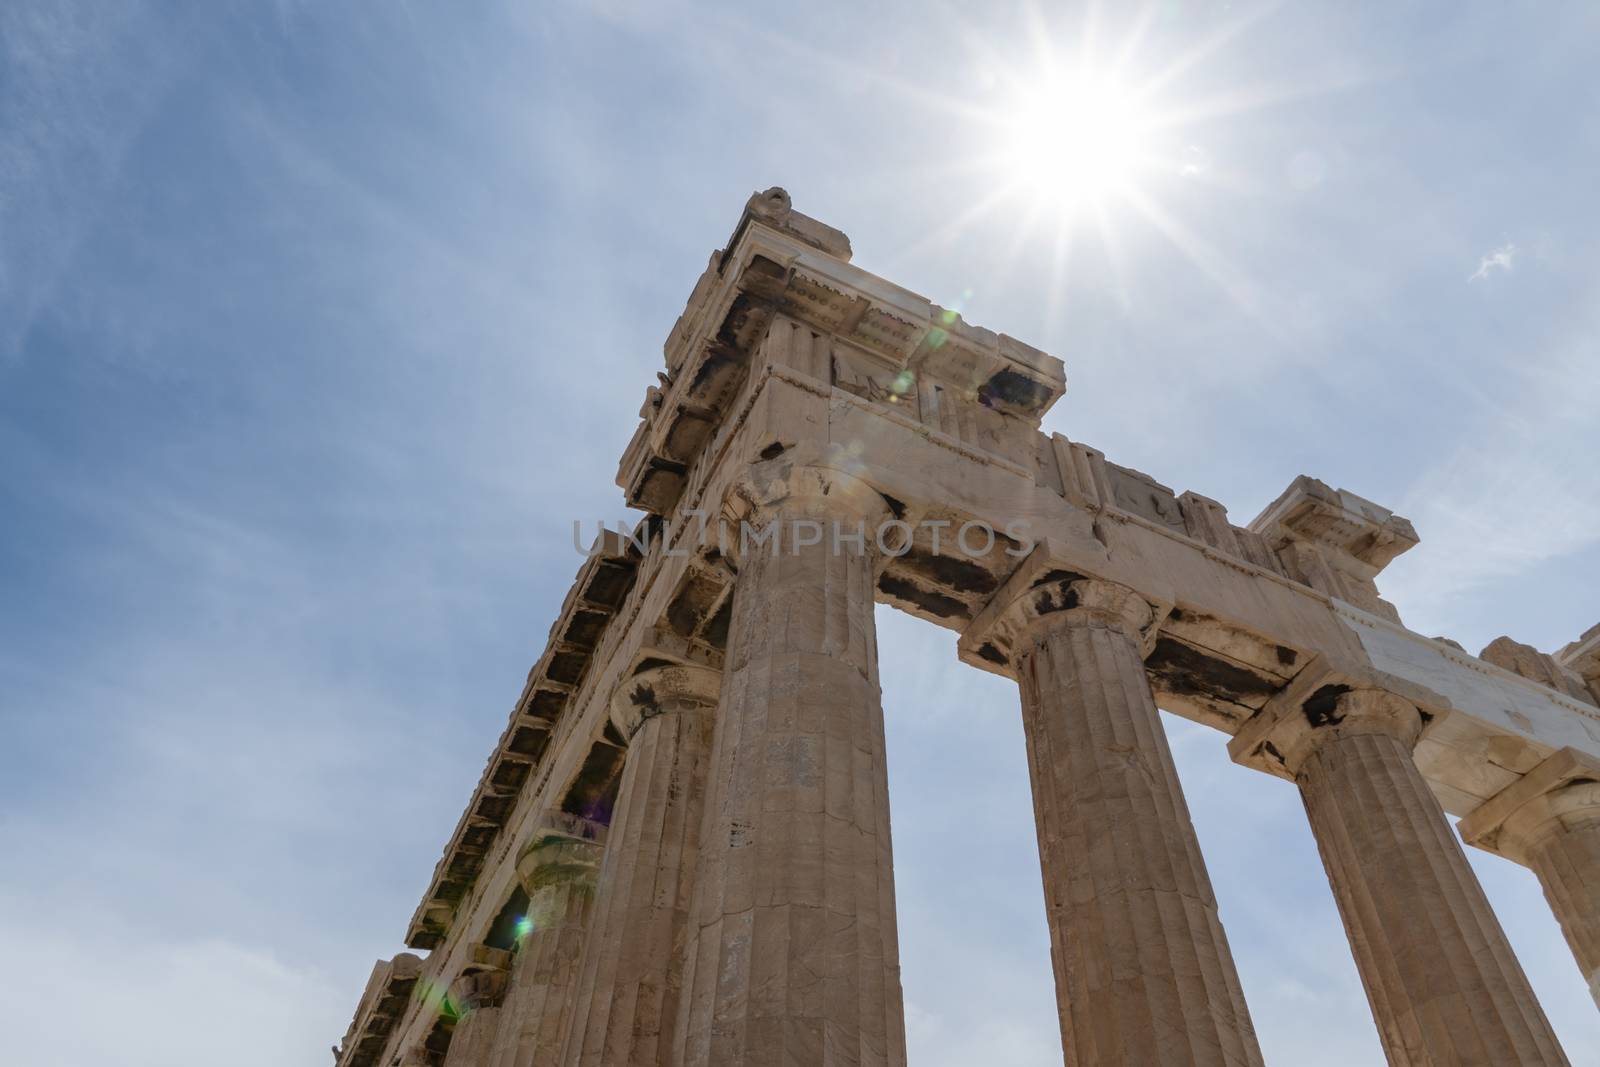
(1075, 140)
(1091, 140)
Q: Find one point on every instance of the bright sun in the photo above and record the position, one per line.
(1090, 142)
(1076, 141)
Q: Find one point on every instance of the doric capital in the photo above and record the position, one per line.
(1022, 611)
(659, 688)
(802, 498)
(804, 482)
(482, 980)
(1318, 706)
(564, 849)
(1559, 795)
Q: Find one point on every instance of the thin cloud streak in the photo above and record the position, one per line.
(1501, 259)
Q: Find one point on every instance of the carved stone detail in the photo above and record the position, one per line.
(627, 998)
(792, 953)
(1549, 821)
(558, 868)
(1143, 969)
(798, 387)
(1442, 981)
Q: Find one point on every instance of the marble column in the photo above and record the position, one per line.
(475, 997)
(1549, 821)
(1142, 966)
(792, 954)
(626, 1000)
(1440, 977)
(558, 868)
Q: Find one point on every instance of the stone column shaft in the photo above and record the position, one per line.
(472, 1044)
(792, 953)
(1442, 981)
(1549, 821)
(1568, 866)
(558, 871)
(627, 996)
(475, 995)
(1142, 966)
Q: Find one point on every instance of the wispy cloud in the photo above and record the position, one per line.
(223, 988)
(1518, 490)
(1501, 258)
(69, 117)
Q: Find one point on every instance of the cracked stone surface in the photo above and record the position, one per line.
(559, 874)
(476, 995)
(627, 995)
(1442, 981)
(1143, 970)
(761, 930)
(792, 953)
(1549, 821)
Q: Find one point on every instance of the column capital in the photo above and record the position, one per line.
(1038, 599)
(1322, 704)
(563, 849)
(482, 981)
(1560, 794)
(807, 482)
(800, 498)
(659, 687)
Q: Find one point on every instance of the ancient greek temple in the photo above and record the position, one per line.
(679, 851)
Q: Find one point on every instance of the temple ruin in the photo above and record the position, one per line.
(679, 851)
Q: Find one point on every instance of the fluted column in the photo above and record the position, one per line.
(1142, 966)
(627, 995)
(792, 953)
(1440, 977)
(475, 997)
(1549, 821)
(558, 869)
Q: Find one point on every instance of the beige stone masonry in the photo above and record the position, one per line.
(1539, 666)
(1549, 821)
(1335, 541)
(628, 992)
(475, 997)
(1441, 979)
(1142, 966)
(797, 385)
(558, 868)
(792, 953)
(1582, 657)
(389, 992)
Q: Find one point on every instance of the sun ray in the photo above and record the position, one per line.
(1212, 263)
(1059, 261)
(1204, 49)
(1113, 248)
(953, 226)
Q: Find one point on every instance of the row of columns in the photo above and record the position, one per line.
(740, 907)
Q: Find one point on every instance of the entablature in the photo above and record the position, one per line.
(598, 592)
(882, 342)
(388, 994)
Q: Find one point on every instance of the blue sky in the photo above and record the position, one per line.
(321, 323)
